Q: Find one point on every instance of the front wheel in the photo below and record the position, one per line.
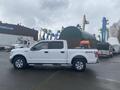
(19, 62)
(79, 65)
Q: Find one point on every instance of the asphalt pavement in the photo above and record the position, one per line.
(102, 76)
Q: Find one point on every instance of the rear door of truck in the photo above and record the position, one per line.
(56, 52)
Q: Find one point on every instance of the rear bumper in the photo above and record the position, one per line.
(94, 62)
(104, 55)
(98, 61)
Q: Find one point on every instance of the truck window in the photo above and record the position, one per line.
(39, 46)
(55, 45)
(103, 46)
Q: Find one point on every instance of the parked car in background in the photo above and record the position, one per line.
(116, 49)
(105, 50)
(2, 48)
(115, 43)
(8, 48)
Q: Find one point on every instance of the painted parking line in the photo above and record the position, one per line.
(107, 79)
(45, 81)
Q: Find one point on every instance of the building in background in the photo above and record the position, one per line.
(115, 30)
(12, 34)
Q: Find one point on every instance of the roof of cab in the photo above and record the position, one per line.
(52, 40)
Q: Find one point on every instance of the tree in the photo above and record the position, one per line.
(119, 35)
(51, 36)
(57, 35)
(79, 27)
(48, 34)
(115, 30)
(44, 32)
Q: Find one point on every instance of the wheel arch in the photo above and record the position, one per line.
(18, 55)
(79, 56)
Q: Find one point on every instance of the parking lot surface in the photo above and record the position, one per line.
(102, 76)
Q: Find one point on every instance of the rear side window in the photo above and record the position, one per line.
(55, 45)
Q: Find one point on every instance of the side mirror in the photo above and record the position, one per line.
(34, 49)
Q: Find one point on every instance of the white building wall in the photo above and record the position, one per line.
(7, 39)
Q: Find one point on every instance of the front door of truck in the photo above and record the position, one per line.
(48, 52)
(38, 53)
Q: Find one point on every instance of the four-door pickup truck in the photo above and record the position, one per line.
(53, 52)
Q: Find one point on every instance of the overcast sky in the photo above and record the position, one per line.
(54, 14)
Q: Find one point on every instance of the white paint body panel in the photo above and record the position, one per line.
(55, 55)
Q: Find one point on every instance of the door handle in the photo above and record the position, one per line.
(62, 52)
(46, 52)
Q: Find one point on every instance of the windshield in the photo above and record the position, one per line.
(103, 46)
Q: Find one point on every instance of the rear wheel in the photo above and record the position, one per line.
(20, 62)
(79, 65)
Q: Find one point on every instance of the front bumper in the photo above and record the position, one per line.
(98, 60)
(11, 59)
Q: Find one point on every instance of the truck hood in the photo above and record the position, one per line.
(20, 49)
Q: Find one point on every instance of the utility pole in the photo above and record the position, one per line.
(84, 22)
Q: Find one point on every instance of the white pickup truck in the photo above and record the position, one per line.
(53, 52)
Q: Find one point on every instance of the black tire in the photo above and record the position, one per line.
(79, 65)
(19, 62)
